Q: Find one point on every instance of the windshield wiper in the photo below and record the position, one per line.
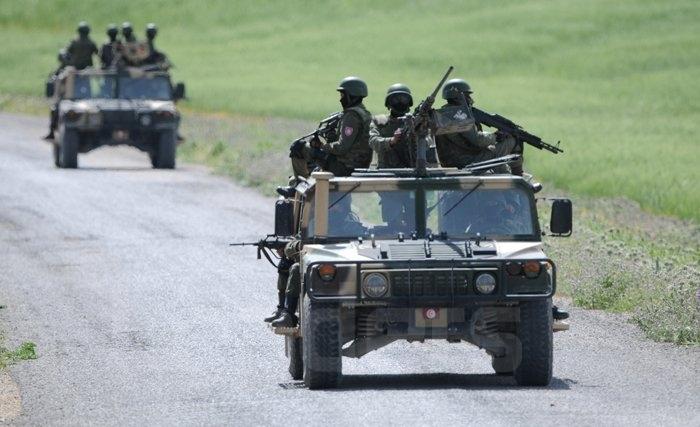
(481, 181)
(345, 194)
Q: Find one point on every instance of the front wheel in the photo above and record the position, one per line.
(296, 361)
(163, 156)
(535, 342)
(322, 348)
(68, 143)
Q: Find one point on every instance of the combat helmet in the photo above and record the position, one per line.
(353, 86)
(83, 28)
(396, 89)
(453, 87)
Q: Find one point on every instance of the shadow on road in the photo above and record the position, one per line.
(434, 381)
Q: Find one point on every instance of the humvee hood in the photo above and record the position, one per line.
(118, 105)
(420, 250)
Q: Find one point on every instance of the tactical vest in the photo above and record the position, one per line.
(401, 155)
(360, 154)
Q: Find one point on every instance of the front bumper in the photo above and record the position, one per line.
(431, 283)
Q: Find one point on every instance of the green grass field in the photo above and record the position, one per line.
(616, 82)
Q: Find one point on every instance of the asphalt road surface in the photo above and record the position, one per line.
(142, 314)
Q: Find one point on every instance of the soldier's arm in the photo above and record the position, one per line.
(350, 128)
(376, 141)
(479, 139)
(94, 49)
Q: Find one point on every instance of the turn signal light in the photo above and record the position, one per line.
(532, 269)
(327, 272)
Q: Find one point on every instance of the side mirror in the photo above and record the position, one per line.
(561, 222)
(50, 89)
(179, 91)
(284, 218)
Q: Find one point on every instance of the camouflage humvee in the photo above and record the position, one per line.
(389, 256)
(126, 106)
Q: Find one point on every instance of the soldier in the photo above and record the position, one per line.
(351, 150)
(385, 132)
(109, 49)
(81, 49)
(461, 149)
(341, 222)
(393, 150)
(63, 61)
(128, 32)
(155, 57)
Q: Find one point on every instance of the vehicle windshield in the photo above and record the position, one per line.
(360, 213)
(489, 212)
(94, 86)
(494, 213)
(107, 87)
(157, 87)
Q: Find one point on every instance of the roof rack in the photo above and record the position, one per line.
(469, 170)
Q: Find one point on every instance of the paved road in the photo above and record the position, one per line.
(141, 314)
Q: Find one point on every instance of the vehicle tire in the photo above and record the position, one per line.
(56, 155)
(321, 348)
(68, 142)
(164, 156)
(296, 361)
(534, 332)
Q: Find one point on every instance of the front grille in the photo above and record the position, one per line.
(429, 283)
(120, 118)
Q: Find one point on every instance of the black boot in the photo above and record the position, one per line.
(49, 136)
(559, 314)
(280, 309)
(288, 318)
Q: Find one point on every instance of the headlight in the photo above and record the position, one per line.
(485, 283)
(375, 285)
(145, 119)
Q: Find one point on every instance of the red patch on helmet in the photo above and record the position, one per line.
(348, 131)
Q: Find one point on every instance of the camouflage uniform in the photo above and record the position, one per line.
(381, 132)
(349, 152)
(461, 149)
(80, 52)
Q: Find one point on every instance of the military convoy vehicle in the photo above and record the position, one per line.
(125, 106)
(450, 254)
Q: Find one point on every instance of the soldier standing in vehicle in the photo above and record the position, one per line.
(128, 33)
(385, 132)
(394, 150)
(81, 49)
(156, 57)
(342, 221)
(109, 49)
(351, 150)
(461, 149)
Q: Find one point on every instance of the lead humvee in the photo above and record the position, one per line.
(121, 106)
(388, 255)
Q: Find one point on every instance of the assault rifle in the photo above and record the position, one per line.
(420, 123)
(504, 125)
(327, 129)
(266, 246)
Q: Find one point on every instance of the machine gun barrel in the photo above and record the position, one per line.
(505, 125)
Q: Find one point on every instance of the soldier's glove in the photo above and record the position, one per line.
(398, 136)
(491, 148)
